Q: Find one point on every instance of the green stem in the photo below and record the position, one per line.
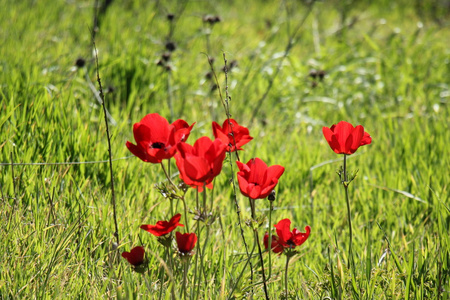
(270, 240)
(186, 223)
(288, 257)
(161, 277)
(255, 231)
(350, 246)
(167, 175)
(186, 265)
(171, 270)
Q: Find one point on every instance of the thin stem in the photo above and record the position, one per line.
(255, 231)
(270, 240)
(345, 183)
(167, 175)
(288, 257)
(13, 179)
(102, 96)
(171, 270)
(186, 223)
(186, 265)
(161, 276)
(196, 277)
(169, 95)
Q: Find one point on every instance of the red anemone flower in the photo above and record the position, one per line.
(288, 238)
(201, 163)
(156, 139)
(256, 180)
(135, 256)
(186, 242)
(343, 138)
(163, 227)
(233, 135)
(275, 246)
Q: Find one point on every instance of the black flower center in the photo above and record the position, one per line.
(157, 145)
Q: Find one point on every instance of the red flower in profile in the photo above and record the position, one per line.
(288, 238)
(233, 135)
(163, 227)
(256, 180)
(186, 242)
(135, 256)
(343, 138)
(275, 245)
(201, 163)
(156, 139)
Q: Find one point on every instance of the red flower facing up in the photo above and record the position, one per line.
(343, 138)
(163, 227)
(186, 242)
(233, 135)
(156, 139)
(256, 180)
(201, 163)
(288, 238)
(135, 256)
(275, 245)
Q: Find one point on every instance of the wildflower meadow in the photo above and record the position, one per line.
(260, 149)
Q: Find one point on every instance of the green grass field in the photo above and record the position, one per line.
(387, 67)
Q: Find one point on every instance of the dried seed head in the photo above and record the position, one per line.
(171, 46)
(170, 17)
(80, 62)
(166, 56)
(110, 89)
(271, 196)
(321, 74)
(313, 74)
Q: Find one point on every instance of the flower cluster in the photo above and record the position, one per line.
(201, 162)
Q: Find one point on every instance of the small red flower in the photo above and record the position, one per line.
(233, 135)
(135, 256)
(289, 239)
(343, 138)
(156, 139)
(163, 227)
(256, 180)
(201, 163)
(186, 242)
(275, 245)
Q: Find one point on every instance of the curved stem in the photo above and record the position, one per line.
(167, 175)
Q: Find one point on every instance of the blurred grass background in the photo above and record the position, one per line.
(386, 64)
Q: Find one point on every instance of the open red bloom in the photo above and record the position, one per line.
(288, 238)
(201, 163)
(275, 245)
(163, 227)
(233, 135)
(343, 138)
(135, 256)
(186, 242)
(157, 139)
(256, 180)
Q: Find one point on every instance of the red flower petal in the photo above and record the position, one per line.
(135, 256)
(284, 231)
(163, 227)
(186, 242)
(343, 138)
